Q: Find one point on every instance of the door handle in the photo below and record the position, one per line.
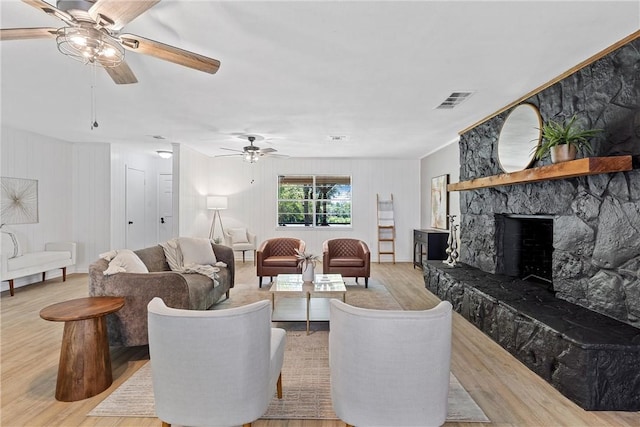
(130, 222)
(161, 220)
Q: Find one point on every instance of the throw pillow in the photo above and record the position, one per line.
(126, 261)
(10, 244)
(196, 250)
(238, 235)
(172, 254)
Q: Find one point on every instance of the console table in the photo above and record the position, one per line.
(85, 362)
(429, 244)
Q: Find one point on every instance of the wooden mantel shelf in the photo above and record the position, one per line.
(571, 169)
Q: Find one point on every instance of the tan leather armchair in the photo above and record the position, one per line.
(349, 257)
(278, 256)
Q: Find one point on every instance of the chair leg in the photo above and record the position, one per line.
(366, 282)
(11, 287)
(243, 256)
(64, 274)
(356, 279)
(259, 281)
(227, 294)
(279, 386)
(43, 276)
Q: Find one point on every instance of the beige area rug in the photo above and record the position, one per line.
(306, 388)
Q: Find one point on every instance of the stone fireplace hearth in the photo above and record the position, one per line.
(581, 329)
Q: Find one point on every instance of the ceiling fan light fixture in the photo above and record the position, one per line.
(251, 156)
(165, 154)
(86, 44)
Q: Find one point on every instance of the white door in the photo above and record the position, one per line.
(135, 209)
(165, 207)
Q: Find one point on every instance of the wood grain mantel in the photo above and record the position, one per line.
(570, 169)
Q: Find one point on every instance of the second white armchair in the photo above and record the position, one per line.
(240, 239)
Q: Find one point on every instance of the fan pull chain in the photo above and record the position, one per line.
(94, 114)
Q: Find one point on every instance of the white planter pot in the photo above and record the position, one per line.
(308, 272)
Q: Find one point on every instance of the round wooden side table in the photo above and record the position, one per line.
(85, 362)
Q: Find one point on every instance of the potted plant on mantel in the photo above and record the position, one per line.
(563, 139)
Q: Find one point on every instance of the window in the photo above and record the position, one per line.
(314, 200)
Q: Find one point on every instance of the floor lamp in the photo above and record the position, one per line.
(216, 203)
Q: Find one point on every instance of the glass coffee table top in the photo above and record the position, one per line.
(302, 307)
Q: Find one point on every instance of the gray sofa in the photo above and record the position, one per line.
(128, 326)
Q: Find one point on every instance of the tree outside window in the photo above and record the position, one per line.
(314, 200)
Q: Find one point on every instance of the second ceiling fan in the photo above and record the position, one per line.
(92, 35)
(252, 153)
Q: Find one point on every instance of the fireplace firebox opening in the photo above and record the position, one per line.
(525, 247)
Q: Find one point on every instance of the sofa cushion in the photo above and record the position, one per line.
(238, 235)
(10, 244)
(37, 258)
(126, 261)
(201, 296)
(196, 250)
(173, 254)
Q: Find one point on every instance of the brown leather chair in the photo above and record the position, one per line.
(349, 257)
(278, 256)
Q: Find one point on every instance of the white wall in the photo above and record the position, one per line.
(253, 205)
(191, 180)
(31, 156)
(444, 161)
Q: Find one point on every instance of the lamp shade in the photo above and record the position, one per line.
(217, 202)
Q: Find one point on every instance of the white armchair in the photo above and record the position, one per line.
(240, 239)
(215, 367)
(390, 368)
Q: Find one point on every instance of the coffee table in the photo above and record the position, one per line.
(317, 310)
(85, 363)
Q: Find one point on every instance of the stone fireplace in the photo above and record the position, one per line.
(551, 269)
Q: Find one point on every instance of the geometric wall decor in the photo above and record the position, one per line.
(19, 200)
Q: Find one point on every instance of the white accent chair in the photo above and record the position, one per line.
(240, 239)
(215, 367)
(390, 367)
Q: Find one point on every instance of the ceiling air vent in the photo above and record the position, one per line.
(455, 99)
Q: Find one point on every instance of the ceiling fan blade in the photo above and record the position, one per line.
(228, 155)
(169, 53)
(267, 150)
(277, 156)
(119, 13)
(231, 149)
(27, 33)
(52, 10)
(121, 74)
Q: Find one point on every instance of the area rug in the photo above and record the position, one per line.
(306, 388)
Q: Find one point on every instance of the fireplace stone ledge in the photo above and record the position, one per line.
(590, 358)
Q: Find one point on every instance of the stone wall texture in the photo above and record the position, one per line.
(596, 259)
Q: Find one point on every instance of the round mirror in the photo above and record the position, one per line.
(519, 137)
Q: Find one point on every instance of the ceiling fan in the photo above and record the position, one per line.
(92, 35)
(252, 153)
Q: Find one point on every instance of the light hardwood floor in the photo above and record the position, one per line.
(506, 390)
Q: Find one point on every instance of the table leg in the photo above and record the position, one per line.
(308, 304)
(85, 363)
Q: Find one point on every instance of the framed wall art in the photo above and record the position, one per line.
(439, 202)
(18, 200)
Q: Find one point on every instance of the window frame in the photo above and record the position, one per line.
(313, 212)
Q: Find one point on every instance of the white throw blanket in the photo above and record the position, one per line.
(174, 258)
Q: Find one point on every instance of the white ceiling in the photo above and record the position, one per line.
(297, 72)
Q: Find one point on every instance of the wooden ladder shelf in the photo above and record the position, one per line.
(386, 228)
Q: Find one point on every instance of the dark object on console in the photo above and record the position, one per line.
(349, 257)
(278, 256)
